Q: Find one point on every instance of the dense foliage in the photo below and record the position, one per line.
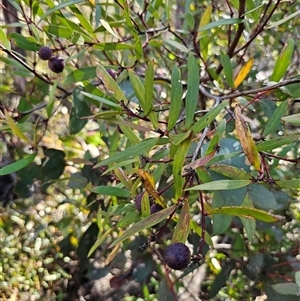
(141, 134)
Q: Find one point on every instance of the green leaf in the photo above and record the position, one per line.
(110, 190)
(220, 23)
(178, 162)
(192, 89)
(225, 61)
(247, 212)
(230, 171)
(213, 144)
(59, 31)
(283, 61)
(182, 228)
(249, 223)
(177, 45)
(274, 121)
(100, 99)
(113, 46)
(58, 7)
(16, 129)
(221, 185)
(26, 43)
(108, 28)
(110, 84)
(281, 21)
(145, 223)
(176, 97)
(132, 151)
(276, 142)
(290, 184)
(149, 82)
(80, 108)
(208, 117)
(294, 119)
(4, 41)
(80, 75)
(262, 197)
(18, 165)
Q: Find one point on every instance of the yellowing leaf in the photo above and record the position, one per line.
(245, 137)
(243, 73)
(148, 183)
(206, 16)
(182, 228)
(15, 129)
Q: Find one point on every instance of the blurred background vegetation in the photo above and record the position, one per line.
(62, 208)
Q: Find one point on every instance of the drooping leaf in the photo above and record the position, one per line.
(4, 41)
(148, 183)
(220, 23)
(182, 228)
(192, 89)
(109, 29)
(245, 137)
(145, 223)
(16, 129)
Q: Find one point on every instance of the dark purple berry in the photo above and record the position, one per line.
(155, 208)
(138, 201)
(45, 53)
(56, 64)
(177, 256)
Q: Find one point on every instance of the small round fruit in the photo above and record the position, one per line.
(56, 64)
(138, 201)
(177, 256)
(45, 53)
(155, 208)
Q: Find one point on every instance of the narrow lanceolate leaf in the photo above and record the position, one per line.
(176, 97)
(247, 212)
(221, 185)
(145, 223)
(283, 61)
(15, 128)
(132, 151)
(208, 118)
(4, 41)
(140, 92)
(110, 84)
(110, 190)
(290, 184)
(148, 183)
(249, 223)
(192, 89)
(182, 228)
(108, 28)
(275, 121)
(276, 142)
(245, 137)
(18, 165)
(294, 119)
(230, 171)
(225, 60)
(149, 81)
(243, 73)
(178, 162)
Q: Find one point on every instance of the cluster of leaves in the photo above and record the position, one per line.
(154, 104)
